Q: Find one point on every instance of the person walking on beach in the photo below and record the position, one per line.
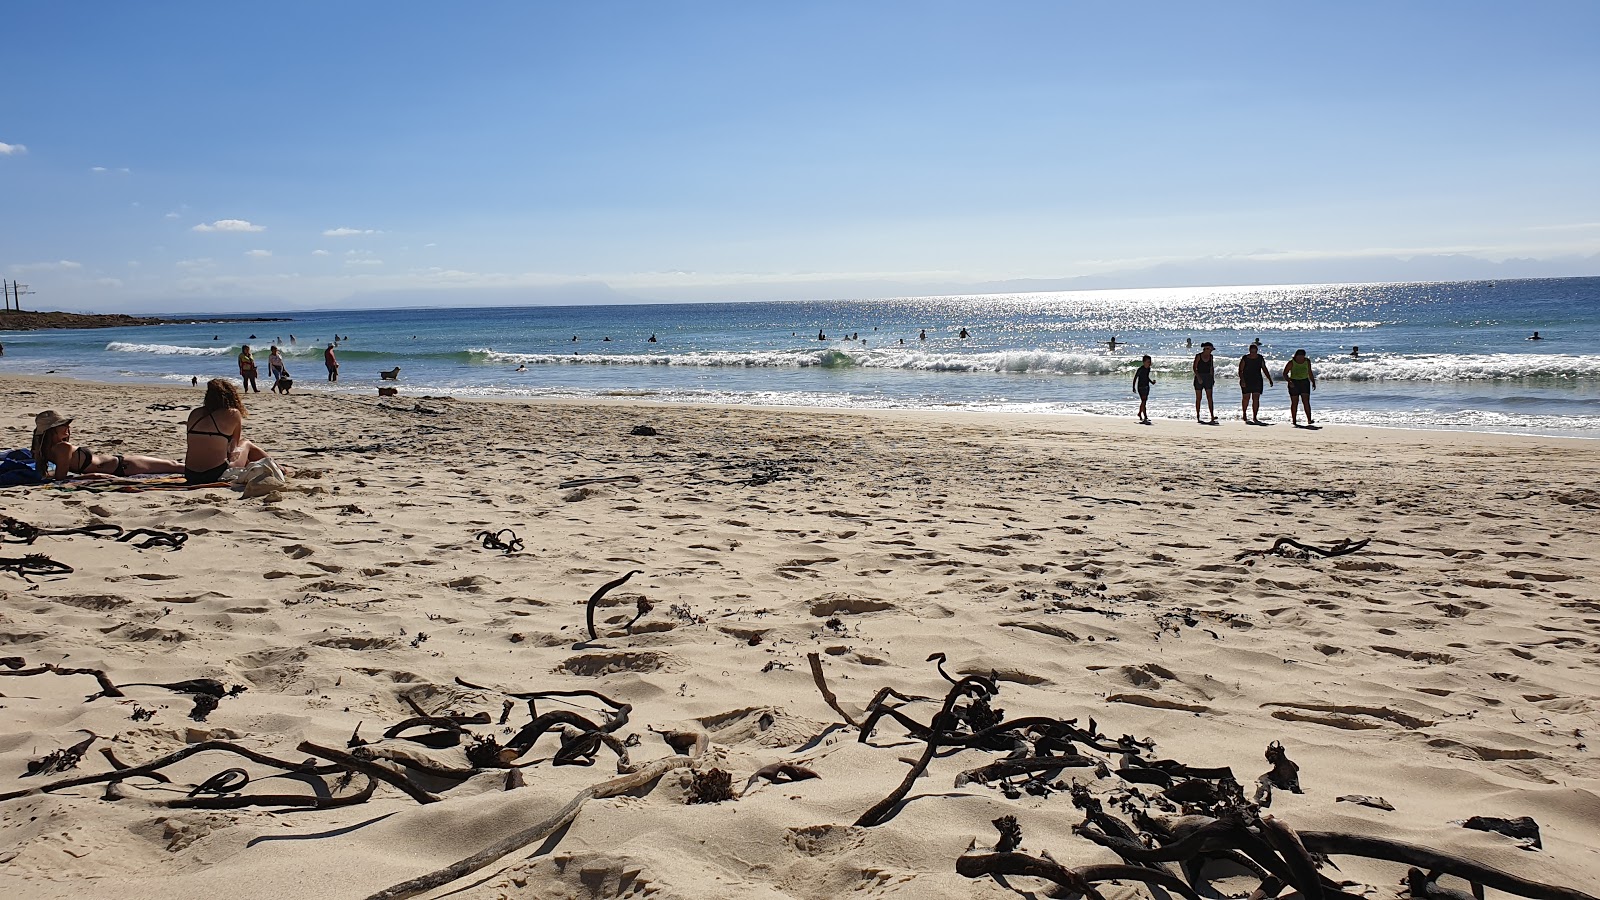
(1143, 377)
(247, 369)
(275, 365)
(1302, 381)
(1252, 369)
(332, 362)
(1205, 379)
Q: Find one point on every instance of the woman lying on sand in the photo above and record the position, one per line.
(52, 433)
(215, 444)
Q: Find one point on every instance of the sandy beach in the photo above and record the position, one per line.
(1092, 565)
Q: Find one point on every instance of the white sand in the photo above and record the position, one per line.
(1450, 667)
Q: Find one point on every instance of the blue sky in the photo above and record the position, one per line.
(257, 156)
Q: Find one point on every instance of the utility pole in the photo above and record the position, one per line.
(13, 294)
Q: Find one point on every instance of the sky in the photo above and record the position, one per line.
(249, 157)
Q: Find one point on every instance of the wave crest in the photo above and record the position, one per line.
(168, 349)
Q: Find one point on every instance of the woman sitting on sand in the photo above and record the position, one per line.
(215, 444)
(52, 434)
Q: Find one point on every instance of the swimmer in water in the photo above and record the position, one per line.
(1535, 337)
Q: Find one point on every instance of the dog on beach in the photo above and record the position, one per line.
(388, 392)
(283, 384)
(391, 375)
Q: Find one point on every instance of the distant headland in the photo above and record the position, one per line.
(30, 320)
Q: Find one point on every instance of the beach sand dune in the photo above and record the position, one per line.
(1097, 568)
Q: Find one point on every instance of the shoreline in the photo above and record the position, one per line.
(1120, 424)
(1446, 667)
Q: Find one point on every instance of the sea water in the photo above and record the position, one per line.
(1437, 355)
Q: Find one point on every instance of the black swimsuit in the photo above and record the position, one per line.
(83, 458)
(190, 476)
(1205, 375)
(1251, 376)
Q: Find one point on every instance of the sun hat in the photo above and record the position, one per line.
(47, 420)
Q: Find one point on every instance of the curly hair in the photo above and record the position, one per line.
(221, 394)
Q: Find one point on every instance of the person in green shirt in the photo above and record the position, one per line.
(1302, 381)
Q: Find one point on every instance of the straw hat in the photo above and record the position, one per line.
(47, 420)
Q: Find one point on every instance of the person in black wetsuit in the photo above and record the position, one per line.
(1205, 379)
(1143, 377)
(1252, 369)
(216, 440)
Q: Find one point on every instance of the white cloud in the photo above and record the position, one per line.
(363, 262)
(12, 149)
(348, 232)
(97, 168)
(258, 253)
(1575, 226)
(229, 225)
(430, 244)
(202, 263)
(173, 215)
(60, 265)
(101, 170)
(319, 253)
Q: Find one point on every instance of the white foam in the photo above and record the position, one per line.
(167, 349)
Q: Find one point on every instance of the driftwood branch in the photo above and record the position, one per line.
(511, 843)
(1338, 844)
(149, 768)
(827, 695)
(107, 689)
(370, 769)
(1080, 880)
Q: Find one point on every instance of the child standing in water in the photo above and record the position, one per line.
(1143, 377)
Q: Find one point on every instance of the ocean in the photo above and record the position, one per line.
(1434, 356)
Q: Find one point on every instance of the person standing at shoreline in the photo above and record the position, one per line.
(275, 365)
(1205, 379)
(1143, 377)
(332, 362)
(1302, 381)
(1252, 369)
(247, 369)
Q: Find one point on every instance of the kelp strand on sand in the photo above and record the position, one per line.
(594, 599)
(16, 531)
(1216, 821)
(1300, 550)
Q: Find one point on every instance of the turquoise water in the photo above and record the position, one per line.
(1442, 355)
